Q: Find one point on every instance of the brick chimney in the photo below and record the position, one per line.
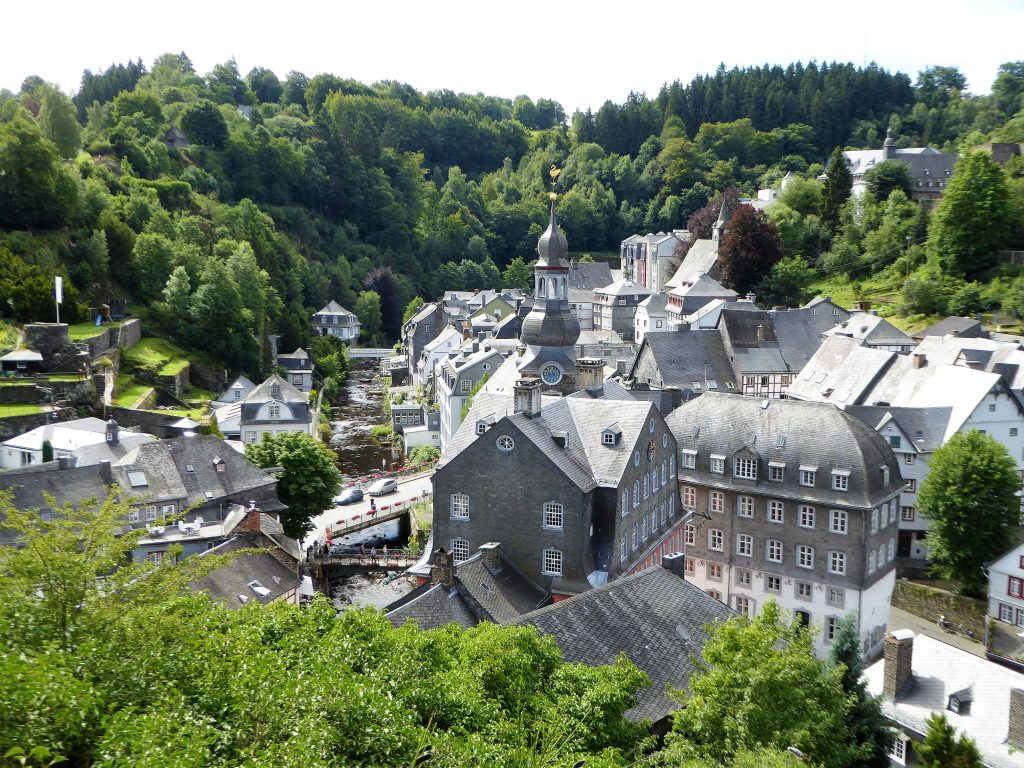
(527, 397)
(1015, 733)
(443, 569)
(251, 522)
(919, 359)
(589, 372)
(898, 666)
(490, 555)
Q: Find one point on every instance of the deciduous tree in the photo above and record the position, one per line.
(749, 249)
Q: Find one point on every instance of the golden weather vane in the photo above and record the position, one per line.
(553, 172)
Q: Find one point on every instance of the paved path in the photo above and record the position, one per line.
(899, 619)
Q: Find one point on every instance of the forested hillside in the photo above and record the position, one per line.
(227, 207)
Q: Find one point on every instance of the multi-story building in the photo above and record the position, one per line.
(792, 502)
(298, 368)
(420, 330)
(274, 407)
(616, 305)
(928, 169)
(1006, 587)
(577, 493)
(693, 294)
(335, 320)
(584, 279)
(456, 377)
(650, 259)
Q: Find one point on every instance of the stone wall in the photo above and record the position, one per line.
(175, 384)
(203, 373)
(929, 603)
(130, 333)
(22, 393)
(152, 423)
(99, 343)
(17, 425)
(46, 338)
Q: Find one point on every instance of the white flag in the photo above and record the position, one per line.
(58, 288)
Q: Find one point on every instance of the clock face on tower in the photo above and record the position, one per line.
(551, 374)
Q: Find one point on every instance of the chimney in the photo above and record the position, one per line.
(476, 347)
(105, 473)
(589, 372)
(113, 433)
(751, 296)
(443, 569)
(919, 359)
(760, 333)
(527, 397)
(898, 671)
(676, 563)
(251, 522)
(1015, 734)
(490, 555)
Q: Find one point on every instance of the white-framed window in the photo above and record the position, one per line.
(689, 459)
(647, 486)
(624, 547)
(716, 500)
(717, 464)
(835, 596)
(911, 486)
(743, 605)
(840, 481)
(689, 566)
(156, 557)
(275, 412)
(908, 514)
(892, 512)
(636, 536)
(804, 556)
(466, 385)
(691, 535)
(636, 493)
(150, 513)
(672, 505)
(776, 471)
(803, 590)
(805, 516)
(837, 563)
(911, 457)
(715, 539)
(874, 521)
(643, 527)
(460, 550)
(715, 572)
(899, 749)
(745, 468)
(742, 577)
(552, 514)
(838, 521)
(808, 475)
(831, 623)
(773, 550)
(505, 444)
(689, 497)
(460, 506)
(672, 466)
(715, 594)
(481, 427)
(608, 438)
(744, 506)
(776, 511)
(625, 501)
(773, 584)
(654, 480)
(664, 471)
(745, 545)
(250, 436)
(552, 562)
(890, 553)
(664, 513)
(275, 390)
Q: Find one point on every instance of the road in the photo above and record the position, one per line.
(407, 489)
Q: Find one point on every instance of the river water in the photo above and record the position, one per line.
(359, 456)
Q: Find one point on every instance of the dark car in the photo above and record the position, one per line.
(348, 496)
(345, 549)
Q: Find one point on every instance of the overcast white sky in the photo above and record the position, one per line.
(579, 54)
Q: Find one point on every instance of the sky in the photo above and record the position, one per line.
(579, 54)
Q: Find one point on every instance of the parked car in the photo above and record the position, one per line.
(384, 486)
(348, 496)
(344, 549)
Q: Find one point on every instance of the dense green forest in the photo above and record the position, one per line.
(272, 196)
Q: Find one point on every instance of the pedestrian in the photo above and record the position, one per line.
(373, 554)
(385, 551)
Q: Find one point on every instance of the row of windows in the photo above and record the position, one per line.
(775, 510)
(651, 484)
(772, 584)
(554, 512)
(886, 554)
(746, 468)
(883, 517)
(136, 514)
(774, 549)
(647, 526)
(551, 559)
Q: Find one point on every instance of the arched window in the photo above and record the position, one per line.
(636, 493)
(664, 472)
(625, 501)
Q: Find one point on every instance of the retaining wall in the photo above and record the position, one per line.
(130, 333)
(929, 603)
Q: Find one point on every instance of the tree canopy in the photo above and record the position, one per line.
(970, 499)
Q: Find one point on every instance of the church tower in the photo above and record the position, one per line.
(550, 331)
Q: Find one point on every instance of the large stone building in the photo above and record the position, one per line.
(576, 493)
(928, 169)
(794, 502)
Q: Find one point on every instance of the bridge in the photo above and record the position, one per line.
(364, 352)
(350, 523)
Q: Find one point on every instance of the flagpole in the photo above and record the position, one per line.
(58, 293)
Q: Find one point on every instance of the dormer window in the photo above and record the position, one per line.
(481, 427)
(611, 435)
(275, 390)
(808, 475)
(840, 480)
(745, 468)
(716, 463)
(960, 702)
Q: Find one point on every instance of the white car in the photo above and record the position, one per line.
(384, 486)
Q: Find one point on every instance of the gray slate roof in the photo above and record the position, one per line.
(675, 359)
(924, 426)
(960, 326)
(227, 583)
(623, 287)
(584, 278)
(872, 330)
(434, 606)
(656, 618)
(702, 257)
(502, 595)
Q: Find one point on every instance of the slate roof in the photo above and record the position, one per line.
(623, 287)
(940, 669)
(287, 393)
(655, 617)
(334, 308)
(926, 427)
(432, 606)
(227, 583)
(655, 304)
(675, 359)
(79, 436)
(961, 326)
(503, 594)
(585, 277)
(228, 395)
(841, 372)
(794, 432)
(872, 330)
(702, 257)
(795, 333)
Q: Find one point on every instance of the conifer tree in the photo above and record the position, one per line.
(838, 184)
(943, 749)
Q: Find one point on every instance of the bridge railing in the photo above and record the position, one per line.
(406, 471)
(385, 512)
